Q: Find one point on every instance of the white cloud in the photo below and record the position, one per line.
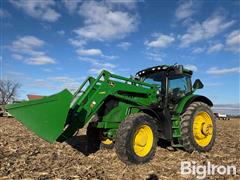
(233, 41)
(155, 55)
(89, 60)
(124, 45)
(186, 9)
(205, 30)
(198, 50)
(111, 57)
(89, 52)
(215, 48)
(38, 9)
(61, 32)
(26, 44)
(160, 41)
(56, 83)
(218, 71)
(94, 52)
(105, 22)
(41, 83)
(71, 5)
(47, 70)
(77, 42)
(50, 15)
(17, 56)
(65, 82)
(15, 75)
(191, 67)
(39, 60)
(4, 13)
(98, 65)
(128, 4)
(61, 79)
(25, 48)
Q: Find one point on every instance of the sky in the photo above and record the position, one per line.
(50, 45)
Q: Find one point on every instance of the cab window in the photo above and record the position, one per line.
(179, 86)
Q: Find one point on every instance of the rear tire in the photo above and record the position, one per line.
(198, 128)
(136, 139)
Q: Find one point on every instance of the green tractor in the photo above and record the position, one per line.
(130, 114)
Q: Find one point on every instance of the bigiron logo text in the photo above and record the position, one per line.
(201, 171)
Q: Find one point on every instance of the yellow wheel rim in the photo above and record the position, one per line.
(104, 139)
(143, 140)
(202, 129)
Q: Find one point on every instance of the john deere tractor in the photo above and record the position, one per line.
(130, 114)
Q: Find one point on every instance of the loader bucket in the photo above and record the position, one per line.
(46, 117)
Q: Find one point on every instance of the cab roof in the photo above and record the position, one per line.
(161, 68)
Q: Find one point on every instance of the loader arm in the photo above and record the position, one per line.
(85, 106)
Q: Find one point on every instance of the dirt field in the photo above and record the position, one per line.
(24, 155)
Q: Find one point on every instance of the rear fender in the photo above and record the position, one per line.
(187, 100)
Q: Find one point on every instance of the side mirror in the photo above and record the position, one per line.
(178, 69)
(198, 84)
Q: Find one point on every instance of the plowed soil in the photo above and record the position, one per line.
(24, 155)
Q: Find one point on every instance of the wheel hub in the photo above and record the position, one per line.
(207, 129)
(202, 129)
(143, 140)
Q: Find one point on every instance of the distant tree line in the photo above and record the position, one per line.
(234, 116)
(8, 91)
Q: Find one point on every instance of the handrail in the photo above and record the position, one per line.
(74, 101)
(82, 85)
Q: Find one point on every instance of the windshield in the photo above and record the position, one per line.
(181, 83)
(154, 78)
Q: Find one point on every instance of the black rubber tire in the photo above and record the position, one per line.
(93, 137)
(187, 119)
(125, 135)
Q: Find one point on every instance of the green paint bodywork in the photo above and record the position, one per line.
(180, 107)
(104, 86)
(47, 117)
(59, 116)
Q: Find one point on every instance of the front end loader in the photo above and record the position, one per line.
(130, 114)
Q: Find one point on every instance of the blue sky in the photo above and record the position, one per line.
(51, 45)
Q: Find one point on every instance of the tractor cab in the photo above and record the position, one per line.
(174, 82)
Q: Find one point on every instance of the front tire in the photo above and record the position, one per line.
(198, 128)
(136, 139)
